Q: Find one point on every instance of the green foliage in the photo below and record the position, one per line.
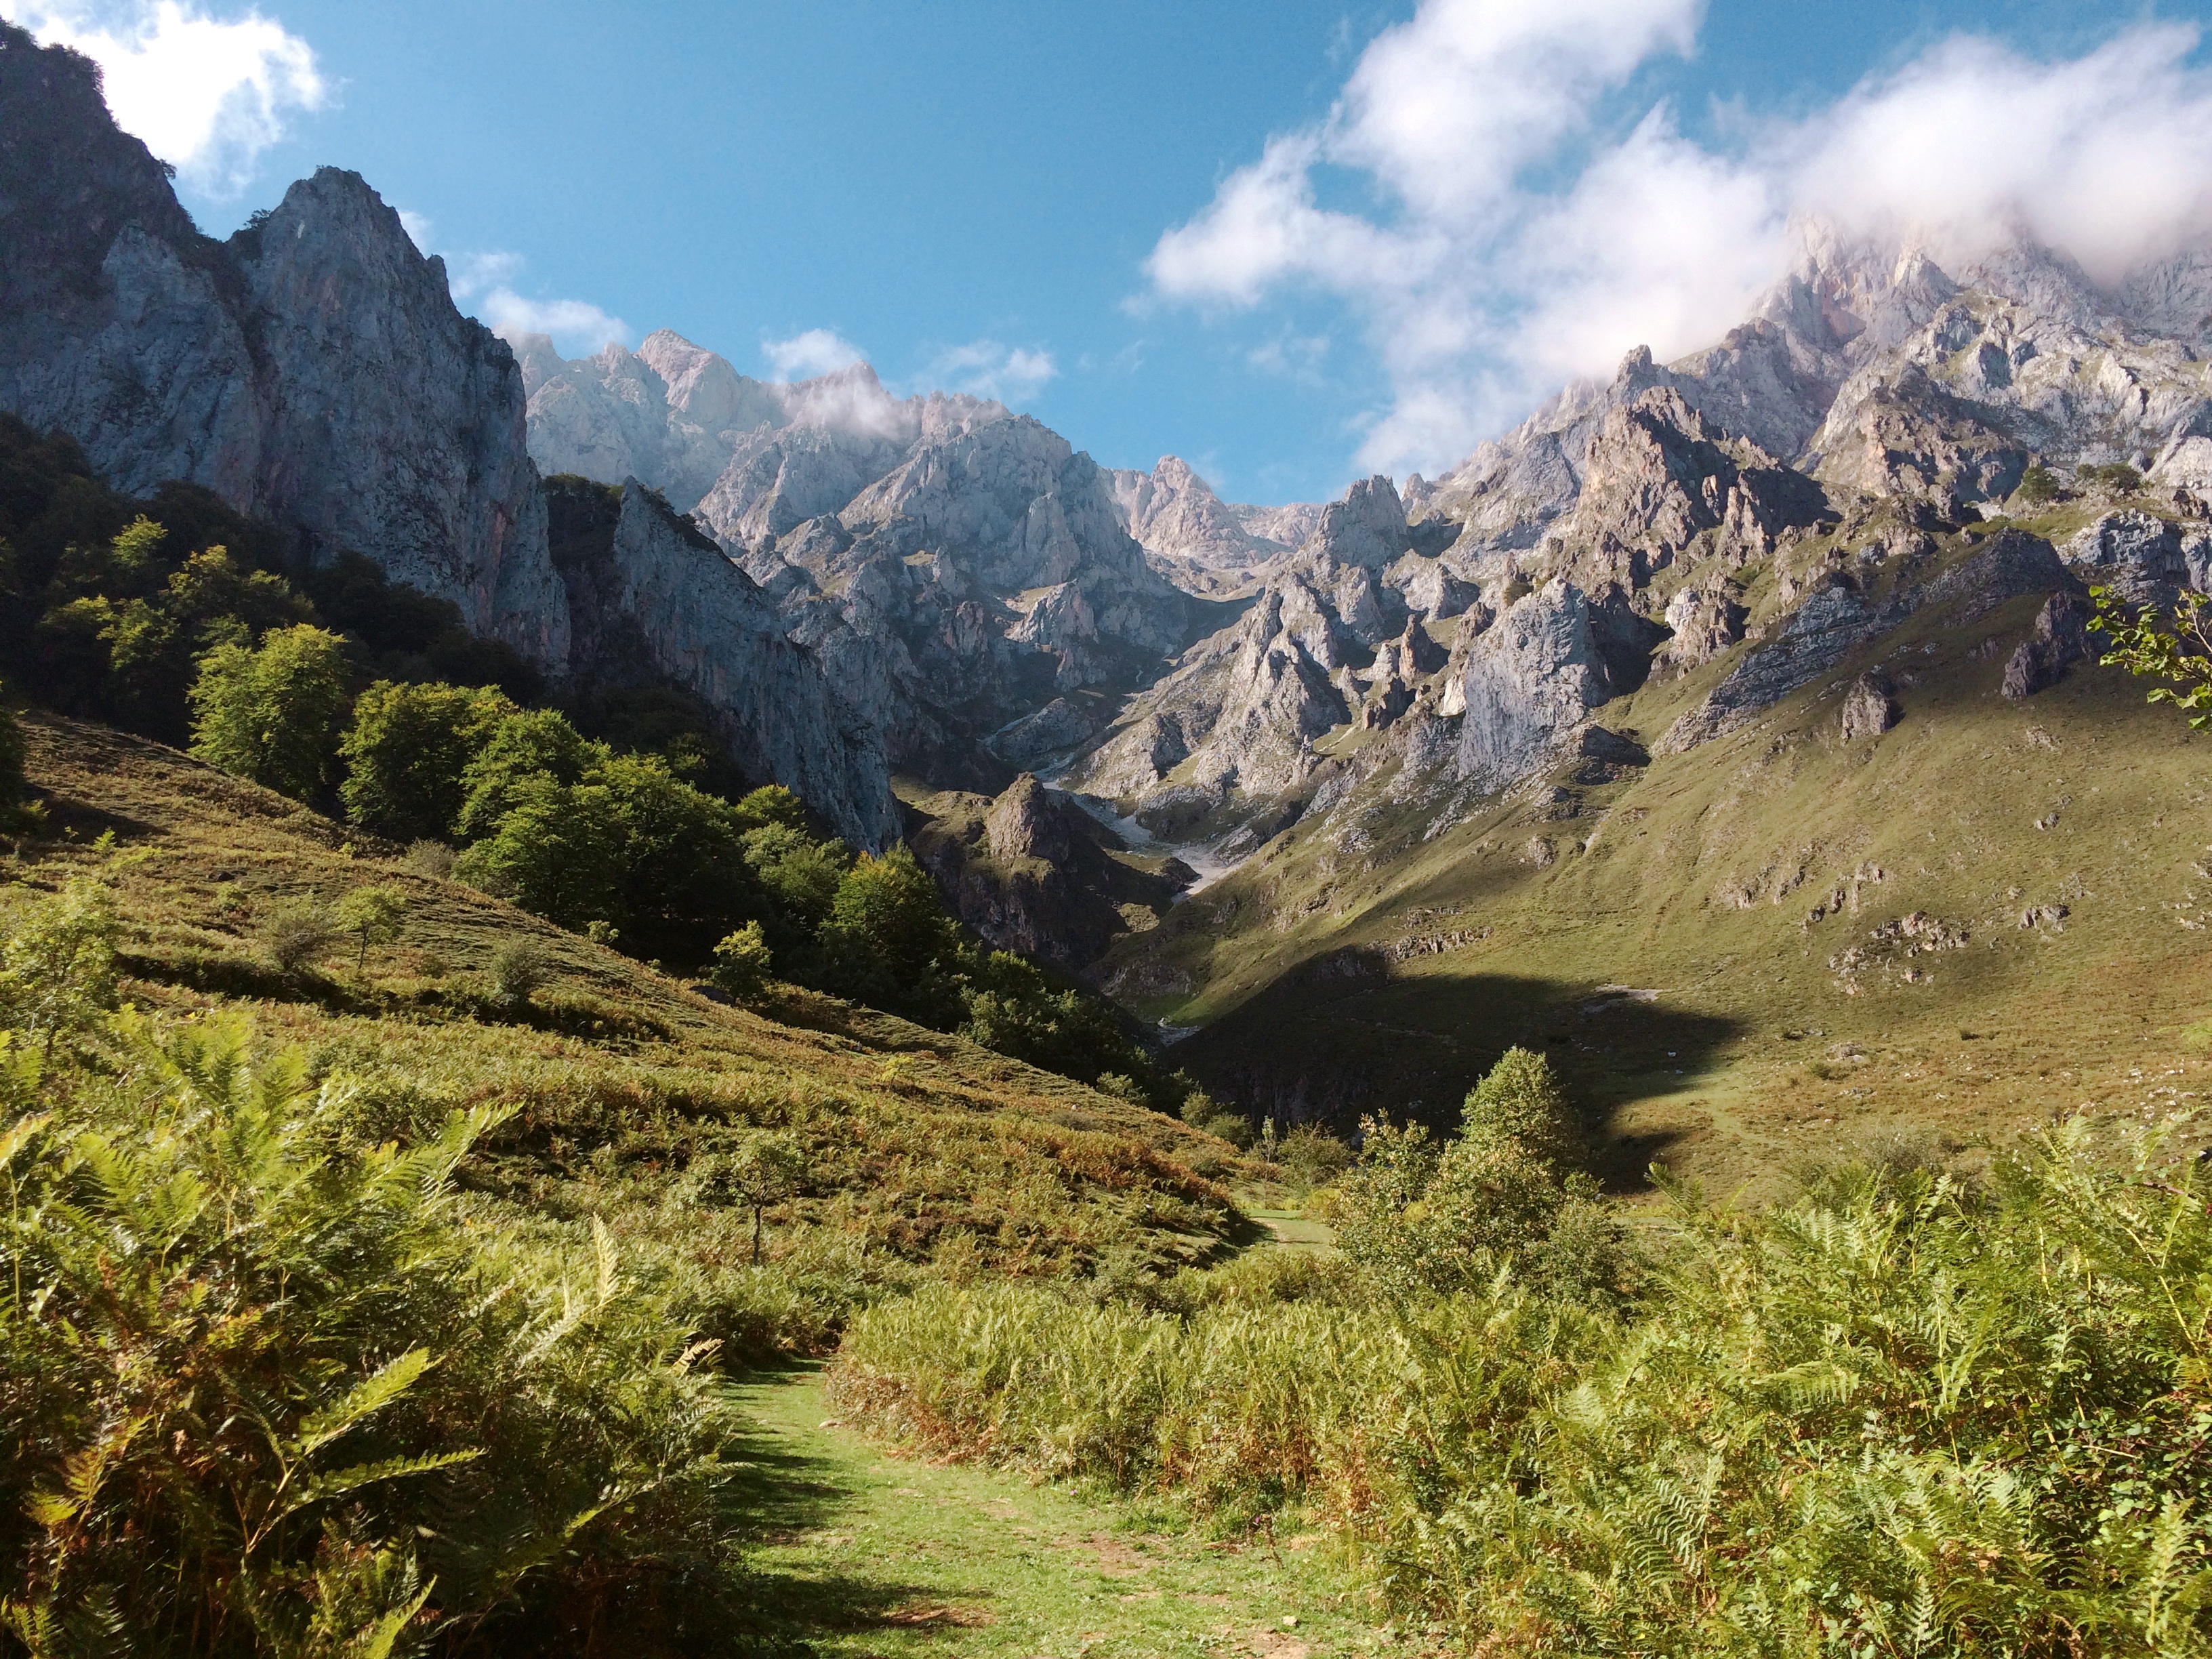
(743, 962)
(760, 1168)
(1894, 1415)
(2038, 486)
(887, 942)
(2118, 476)
(13, 752)
(58, 961)
(772, 805)
(1419, 1217)
(1312, 1155)
(269, 1392)
(1519, 1100)
(407, 752)
(1014, 1008)
(555, 850)
(373, 915)
(520, 748)
(799, 877)
(517, 969)
(1204, 1113)
(2182, 655)
(273, 714)
(293, 935)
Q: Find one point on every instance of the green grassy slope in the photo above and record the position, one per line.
(920, 1147)
(1656, 933)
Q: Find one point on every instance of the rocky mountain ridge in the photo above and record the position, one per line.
(313, 370)
(1785, 488)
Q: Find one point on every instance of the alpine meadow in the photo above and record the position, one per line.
(647, 1011)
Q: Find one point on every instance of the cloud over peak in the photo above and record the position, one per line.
(809, 353)
(207, 95)
(1529, 228)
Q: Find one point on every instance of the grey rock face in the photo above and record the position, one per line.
(958, 569)
(1031, 872)
(2146, 559)
(702, 622)
(1870, 707)
(1192, 537)
(1836, 619)
(312, 369)
(1533, 677)
(2059, 640)
(1054, 729)
(1704, 620)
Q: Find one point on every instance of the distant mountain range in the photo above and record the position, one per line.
(885, 598)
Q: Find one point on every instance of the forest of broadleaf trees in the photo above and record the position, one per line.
(279, 1378)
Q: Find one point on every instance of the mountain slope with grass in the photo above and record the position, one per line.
(619, 1078)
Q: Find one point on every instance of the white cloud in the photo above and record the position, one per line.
(577, 327)
(985, 368)
(813, 352)
(1512, 249)
(1295, 356)
(484, 283)
(207, 95)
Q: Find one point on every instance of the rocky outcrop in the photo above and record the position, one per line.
(1658, 483)
(1870, 707)
(1535, 677)
(961, 572)
(2059, 639)
(2145, 559)
(312, 370)
(1838, 619)
(1033, 873)
(1195, 538)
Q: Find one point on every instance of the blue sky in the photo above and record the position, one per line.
(972, 192)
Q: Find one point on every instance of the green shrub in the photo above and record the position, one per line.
(293, 936)
(405, 754)
(58, 961)
(517, 971)
(743, 962)
(1895, 1414)
(1312, 1155)
(373, 915)
(430, 857)
(1420, 1216)
(2038, 486)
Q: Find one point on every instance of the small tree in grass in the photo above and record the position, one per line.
(58, 962)
(2038, 486)
(294, 935)
(371, 915)
(742, 962)
(518, 968)
(761, 1170)
(1421, 1215)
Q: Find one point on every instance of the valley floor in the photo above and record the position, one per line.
(860, 1553)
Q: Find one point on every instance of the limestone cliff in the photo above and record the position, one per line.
(649, 590)
(312, 369)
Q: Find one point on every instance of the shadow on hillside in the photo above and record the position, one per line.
(781, 1494)
(1344, 1038)
(69, 819)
